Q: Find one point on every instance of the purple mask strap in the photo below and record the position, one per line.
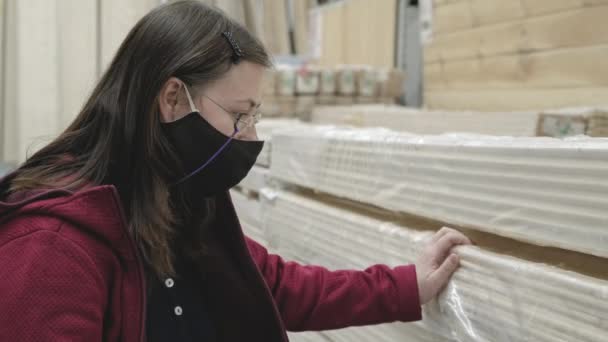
(210, 159)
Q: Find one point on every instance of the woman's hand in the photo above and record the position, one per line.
(436, 263)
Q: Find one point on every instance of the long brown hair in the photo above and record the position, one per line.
(117, 137)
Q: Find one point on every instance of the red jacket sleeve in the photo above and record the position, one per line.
(49, 291)
(314, 298)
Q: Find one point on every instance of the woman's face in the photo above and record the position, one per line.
(239, 91)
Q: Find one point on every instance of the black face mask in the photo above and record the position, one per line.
(213, 163)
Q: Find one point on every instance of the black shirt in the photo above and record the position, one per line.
(176, 307)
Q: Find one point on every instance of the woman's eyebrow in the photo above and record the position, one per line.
(251, 102)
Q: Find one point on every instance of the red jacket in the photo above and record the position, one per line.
(69, 271)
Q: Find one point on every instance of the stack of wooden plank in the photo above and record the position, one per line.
(545, 191)
(492, 297)
(514, 55)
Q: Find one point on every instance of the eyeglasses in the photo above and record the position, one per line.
(242, 121)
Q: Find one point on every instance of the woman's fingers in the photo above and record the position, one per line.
(441, 276)
(447, 242)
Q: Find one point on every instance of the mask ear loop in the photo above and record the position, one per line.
(190, 102)
(217, 153)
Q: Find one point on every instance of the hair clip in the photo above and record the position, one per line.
(238, 53)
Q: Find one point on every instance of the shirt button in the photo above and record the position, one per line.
(169, 283)
(178, 310)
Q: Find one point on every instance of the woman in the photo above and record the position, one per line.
(122, 228)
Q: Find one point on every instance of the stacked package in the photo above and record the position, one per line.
(350, 198)
(293, 91)
(545, 191)
(574, 121)
(492, 297)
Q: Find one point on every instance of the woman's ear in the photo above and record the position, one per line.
(170, 107)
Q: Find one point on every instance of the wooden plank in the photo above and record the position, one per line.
(595, 2)
(301, 17)
(332, 41)
(452, 17)
(369, 32)
(578, 67)
(439, 3)
(581, 27)
(499, 39)
(484, 99)
(538, 7)
(575, 28)
(433, 75)
(486, 12)
(276, 35)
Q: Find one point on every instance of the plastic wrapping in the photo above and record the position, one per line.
(492, 297)
(544, 191)
(264, 130)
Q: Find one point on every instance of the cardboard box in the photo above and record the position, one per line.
(327, 84)
(560, 125)
(307, 82)
(304, 107)
(269, 82)
(367, 82)
(286, 81)
(345, 81)
(391, 83)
